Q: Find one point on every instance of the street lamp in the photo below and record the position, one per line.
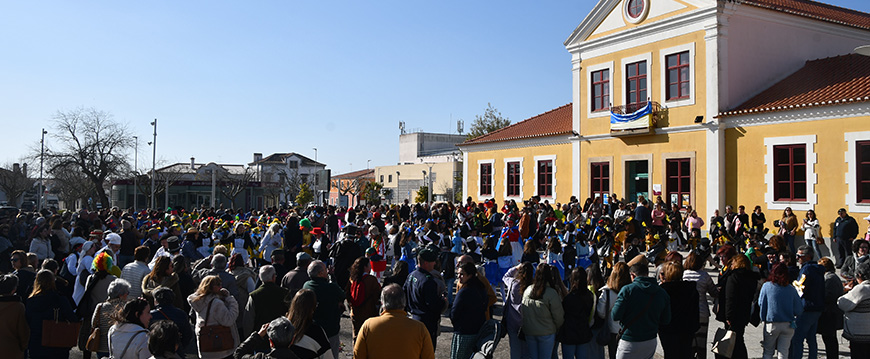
(39, 199)
(154, 164)
(397, 186)
(135, 172)
(367, 163)
(315, 154)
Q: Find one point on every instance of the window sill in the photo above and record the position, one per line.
(795, 205)
(679, 102)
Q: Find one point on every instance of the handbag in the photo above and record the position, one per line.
(93, 343)
(603, 337)
(60, 334)
(633, 320)
(214, 338)
(724, 342)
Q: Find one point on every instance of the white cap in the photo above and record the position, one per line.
(113, 238)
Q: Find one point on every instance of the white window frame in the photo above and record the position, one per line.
(812, 179)
(551, 158)
(663, 54)
(522, 178)
(852, 171)
(481, 196)
(589, 70)
(622, 74)
(639, 18)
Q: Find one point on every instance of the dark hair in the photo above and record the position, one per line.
(857, 245)
(131, 311)
(357, 269)
(50, 264)
(160, 266)
(471, 269)
(554, 246)
(779, 275)
(236, 260)
(141, 253)
(594, 276)
(639, 269)
(543, 279)
(301, 312)
(727, 252)
(525, 275)
(674, 256)
(163, 296)
(694, 262)
(578, 281)
(163, 337)
(400, 269)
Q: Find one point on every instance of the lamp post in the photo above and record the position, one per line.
(315, 154)
(39, 199)
(367, 163)
(135, 173)
(397, 186)
(153, 164)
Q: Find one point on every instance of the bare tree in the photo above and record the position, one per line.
(72, 185)
(233, 184)
(162, 181)
(91, 141)
(14, 182)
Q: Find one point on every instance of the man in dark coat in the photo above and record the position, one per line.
(267, 302)
(845, 230)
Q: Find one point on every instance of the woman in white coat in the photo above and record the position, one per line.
(271, 241)
(128, 337)
(223, 311)
(83, 270)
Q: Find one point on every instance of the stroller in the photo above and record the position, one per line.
(487, 340)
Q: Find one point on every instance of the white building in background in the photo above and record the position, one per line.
(423, 158)
(292, 168)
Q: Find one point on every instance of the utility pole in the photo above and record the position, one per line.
(39, 200)
(154, 165)
(135, 173)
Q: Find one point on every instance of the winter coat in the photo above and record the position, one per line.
(42, 248)
(224, 311)
(856, 306)
(578, 308)
(103, 317)
(42, 307)
(542, 316)
(832, 316)
(171, 281)
(736, 303)
(779, 303)
(14, 331)
(683, 294)
(631, 302)
(134, 273)
(469, 309)
(122, 334)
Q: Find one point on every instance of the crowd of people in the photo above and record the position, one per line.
(590, 280)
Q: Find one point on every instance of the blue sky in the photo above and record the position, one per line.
(226, 79)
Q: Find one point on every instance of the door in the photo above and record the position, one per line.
(636, 180)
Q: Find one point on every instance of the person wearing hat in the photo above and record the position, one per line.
(152, 241)
(168, 245)
(319, 246)
(425, 299)
(112, 246)
(296, 278)
(83, 269)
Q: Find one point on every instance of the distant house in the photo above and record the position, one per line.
(346, 188)
(288, 171)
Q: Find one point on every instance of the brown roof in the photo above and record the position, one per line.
(815, 10)
(278, 158)
(823, 82)
(554, 122)
(369, 173)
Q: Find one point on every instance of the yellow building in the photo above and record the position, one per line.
(651, 78)
(529, 158)
(706, 103)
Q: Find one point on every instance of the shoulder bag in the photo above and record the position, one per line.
(603, 337)
(93, 343)
(60, 334)
(214, 338)
(635, 319)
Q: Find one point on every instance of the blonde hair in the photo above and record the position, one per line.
(672, 272)
(619, 277)
(205, 286)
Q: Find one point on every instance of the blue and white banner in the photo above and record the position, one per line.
(641, 118)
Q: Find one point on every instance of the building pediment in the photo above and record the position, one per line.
(610, 16)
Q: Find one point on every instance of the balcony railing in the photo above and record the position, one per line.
(646, 127)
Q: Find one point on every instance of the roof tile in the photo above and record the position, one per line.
(554, 122)
(822, 82)
(815, 10)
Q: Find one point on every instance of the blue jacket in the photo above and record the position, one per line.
(779, 303)
(812, 275)
(424, 297)
(42, 307)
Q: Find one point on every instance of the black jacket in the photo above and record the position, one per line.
(178, 316)
(248, 348)
(683, 295)
(424, 299)
(575, 329)
(845, 228)
(740, 286)
(469, 308)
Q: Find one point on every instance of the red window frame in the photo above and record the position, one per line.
(513, 179)
(789, 172)
(679, 179)
(600, 90)
(545, 178)
(486, 178)
(635, 8)
(636, 74)
(862, 167)
(678, 74)
(600, 178)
